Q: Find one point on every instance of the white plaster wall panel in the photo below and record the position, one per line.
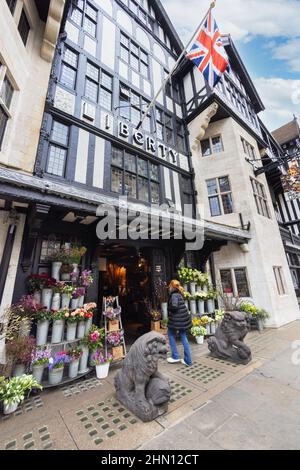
(135, 79)
(147, 87)
(177, 191)
(283, 208)
(108, 38)
(199, 80)
(90, 45)
(123, 70)
(184, 162)
(13, 264)
(161, 33)
(167, 181)
(157, 79)
(124, 21)
(72, 32)
(64, 100)
(98, 176)
(188, 88)
(142, 38)
(105, 5)
(82, 156)
(178, 110)
(159, 53)
(169, 104)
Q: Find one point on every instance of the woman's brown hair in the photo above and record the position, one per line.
(174, 284)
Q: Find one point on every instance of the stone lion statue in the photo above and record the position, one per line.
(228, 342)
(139, 385)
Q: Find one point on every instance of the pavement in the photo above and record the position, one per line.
(214, 405)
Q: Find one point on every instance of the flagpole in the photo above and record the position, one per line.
(165, 81)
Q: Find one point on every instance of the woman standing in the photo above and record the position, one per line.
(179, 319)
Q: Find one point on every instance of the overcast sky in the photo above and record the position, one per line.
(267, 36)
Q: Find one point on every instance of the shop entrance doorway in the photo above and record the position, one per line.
(125, 271)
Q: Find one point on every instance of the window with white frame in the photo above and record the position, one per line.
(219, 196)
(279, 278)
(211, 146)
(132, 107)
(83, 14)
(6, 95)
(24, 27)
(98, 86)
(11, 5)
(58, 149)
(235, 281)
(260, 197)
(248, 149)
(69, 65)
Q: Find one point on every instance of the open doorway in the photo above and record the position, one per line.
(125, 271)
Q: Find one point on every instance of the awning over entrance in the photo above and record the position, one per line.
(36, 190)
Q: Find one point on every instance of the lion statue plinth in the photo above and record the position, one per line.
(139, 385)
(228, 342)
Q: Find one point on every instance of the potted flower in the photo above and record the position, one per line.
(58, 318)
(58, 258)
(13, 391)
(57, 290)
(258, 315)
(219, 315)
(114, 338)
(101, 362)
(19, 352)
(25, 310)
(86, 279)
(35, 284)
(205, 321)
(92, 341)
(66, 294)
(42, 318)
(212, 294)
(198, 332)
(161, 293)
(80, 313)
(65, 272)
(76, 253)
(71, 319)
(202, 280)
(89, 309)
(75, 298)
(200, 297)
(193, 305)
(187, 297)
(113, 315)
(81, 293)
(74, 354)
(47, 292)
(56, 367)
(156, 317)
(39, 359)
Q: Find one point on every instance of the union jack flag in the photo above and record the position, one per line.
(208, 52)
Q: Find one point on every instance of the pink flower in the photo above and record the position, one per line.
(94, 336)
(73, 314)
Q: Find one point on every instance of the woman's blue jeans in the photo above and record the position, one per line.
(185, 342)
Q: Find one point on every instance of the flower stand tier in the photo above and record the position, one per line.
(114, 337)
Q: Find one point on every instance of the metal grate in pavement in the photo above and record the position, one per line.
(80, 387)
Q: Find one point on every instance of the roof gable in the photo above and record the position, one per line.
(288, 132)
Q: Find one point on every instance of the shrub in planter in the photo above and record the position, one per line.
(19, 352)
(13, 391)
(101, 362)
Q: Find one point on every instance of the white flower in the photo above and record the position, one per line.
(51, 360)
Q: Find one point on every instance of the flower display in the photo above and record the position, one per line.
(20, 349)
(114, 337)
(74, 353)
(86, 278)
(99, 358)
(40, 356)
(204, 320)
(198, 331)
(219, 314)
(90, 306)
(252, 310)
(13, 390)
(112, 313)
(78, 292)
(68, 290)
(71, 317)
(155, 315)
(36, 282)
(201, 295)
(27, 307)
(94, 338)
(58, 360)
(58, 314)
